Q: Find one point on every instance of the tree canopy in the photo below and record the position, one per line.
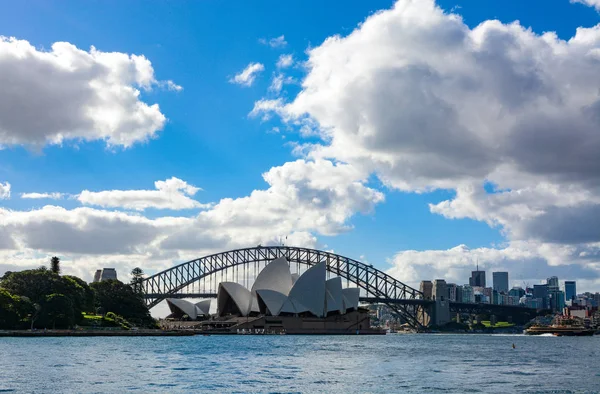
(42, 298)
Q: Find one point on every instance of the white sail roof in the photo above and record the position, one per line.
(275, 276)
(272, 299)
(351, 297)
(184, 306)
(295, 278)
(238, 294)
(203, 307)
(309, 291)
(334, 300)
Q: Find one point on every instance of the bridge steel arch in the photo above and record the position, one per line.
(401, 298)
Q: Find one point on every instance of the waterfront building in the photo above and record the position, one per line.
(570, 290)
(181, 308)
(274, 293)
(426, 288)
(500, 281)
(477, 278)
(105, 274)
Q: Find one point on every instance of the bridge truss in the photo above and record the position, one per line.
(377, 286)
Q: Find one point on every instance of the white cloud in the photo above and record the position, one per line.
(247, 76)
(589, 3)
(425, 102)
(92, 95)
(303, 199)
(169, 194)
(50, 196)
(526, 262)
(4, 191)
(277, 42)
(278, 81)
(285, 61)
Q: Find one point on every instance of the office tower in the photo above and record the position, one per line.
(427, 289)
(500, 280)
(570, 290)
(552, 281)
(477, 278)
(541, 292)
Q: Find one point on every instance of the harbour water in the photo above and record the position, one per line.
(331, 364)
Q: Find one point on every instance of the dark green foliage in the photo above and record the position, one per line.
(57, 312)
(55, 265)
(13, 309)
(121, 299)
(38, 284)
(137, 275)
(89, 297)
(43, 299)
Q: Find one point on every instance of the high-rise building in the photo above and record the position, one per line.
(426, 288)
(500, 280)
(467, 294)
(105, 274)
(552, 281)
(451, 292)
(541, 292)
(477, 278)
(516, 292)
(556, 299)
(570, 290)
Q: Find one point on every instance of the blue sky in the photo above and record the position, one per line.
(211, 141)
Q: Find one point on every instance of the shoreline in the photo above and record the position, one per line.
(93, 333)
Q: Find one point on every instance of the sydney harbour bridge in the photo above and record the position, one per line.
(200, 278)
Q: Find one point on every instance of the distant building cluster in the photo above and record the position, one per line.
(550, 295)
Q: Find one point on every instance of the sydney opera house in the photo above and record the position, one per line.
(280, 301)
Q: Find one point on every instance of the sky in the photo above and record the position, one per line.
(421, 137)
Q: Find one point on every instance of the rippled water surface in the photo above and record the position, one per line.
(332, 364)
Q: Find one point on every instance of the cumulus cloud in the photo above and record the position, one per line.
(505, 117)
(169, 194)
(247, 76)
(277, 42)
(278, 81)
(49, 196)
(589, 3)
(526, 262)
(4, 191)
(285, 61)
(303, 199)
(92, 95)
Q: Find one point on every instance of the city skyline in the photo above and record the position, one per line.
(149, 136)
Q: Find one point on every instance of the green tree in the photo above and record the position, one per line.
(11, 310)
(119, 298)
(37, 284)
(58, 310)
(137, 276)
(87, 299)
(55, 265)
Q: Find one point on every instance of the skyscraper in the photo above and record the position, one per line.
(552, 281)
(477, 278)
(541, 292)
(500, 280)
(570, 290)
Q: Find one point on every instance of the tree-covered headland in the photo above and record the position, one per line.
(42, 298)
